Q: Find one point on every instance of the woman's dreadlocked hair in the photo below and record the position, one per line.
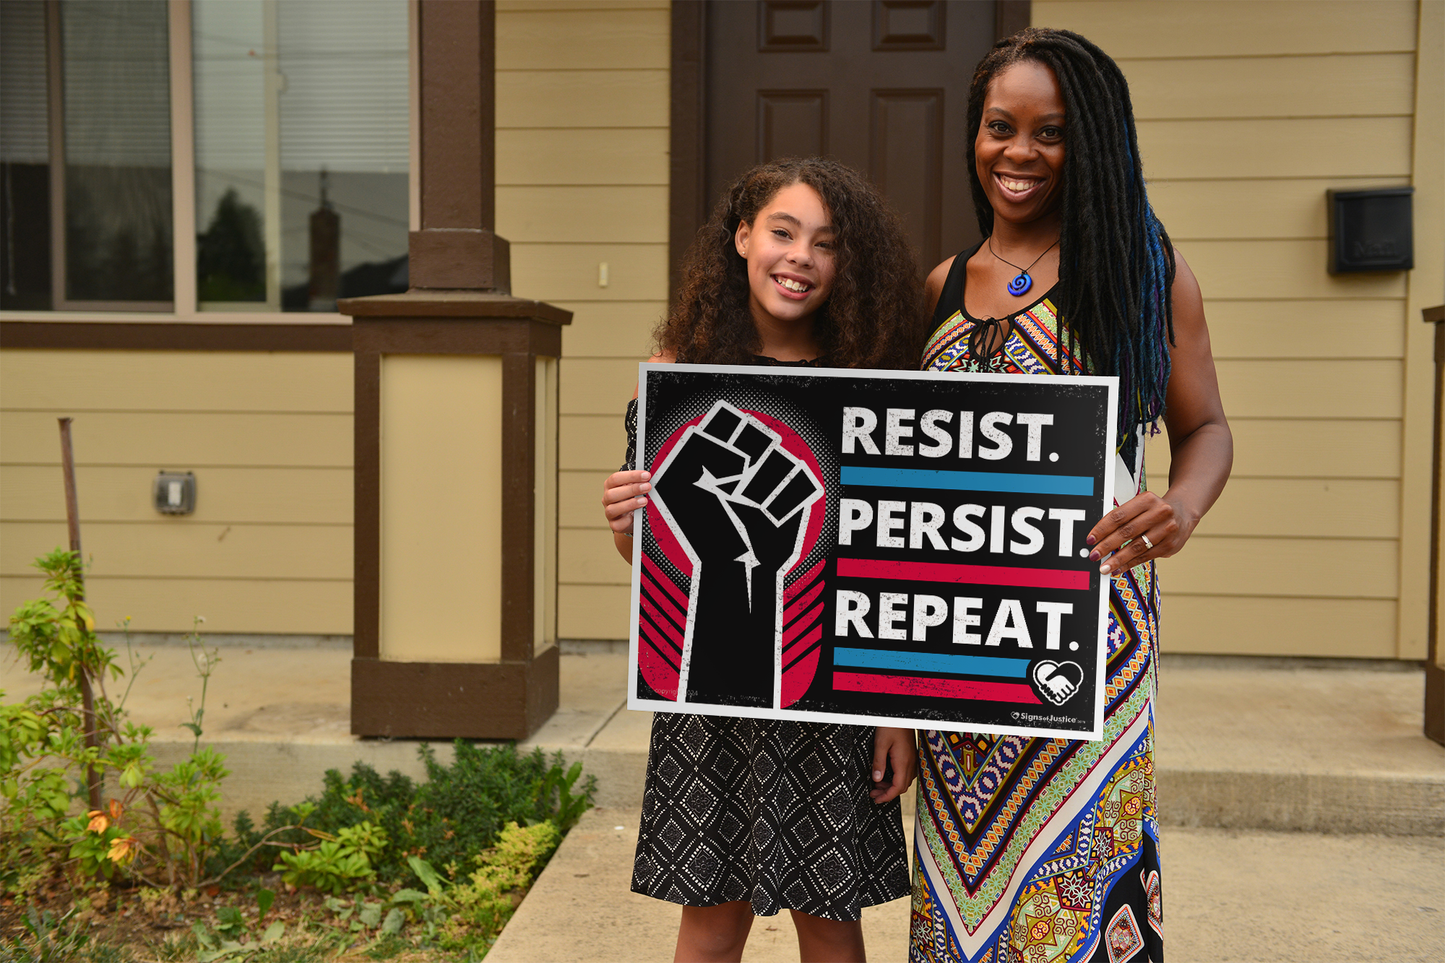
(873, 317)
(1116, 265)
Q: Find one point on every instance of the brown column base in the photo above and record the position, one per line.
(453, 700)
(1435, 703)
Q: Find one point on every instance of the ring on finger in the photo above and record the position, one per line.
(1147, 544)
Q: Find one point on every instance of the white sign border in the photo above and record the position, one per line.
(634, 702)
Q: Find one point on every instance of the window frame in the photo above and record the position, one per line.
(185, 308)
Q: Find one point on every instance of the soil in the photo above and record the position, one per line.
(156, 925)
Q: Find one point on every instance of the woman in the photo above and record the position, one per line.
(1047, 849)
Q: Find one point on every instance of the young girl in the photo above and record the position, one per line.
(800, 264)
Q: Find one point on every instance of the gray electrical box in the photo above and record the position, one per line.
(175, 493)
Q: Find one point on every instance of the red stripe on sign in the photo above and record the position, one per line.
(1054, 578)
(661, 578)
(941, 688)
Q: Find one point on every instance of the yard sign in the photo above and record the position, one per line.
(888, 548)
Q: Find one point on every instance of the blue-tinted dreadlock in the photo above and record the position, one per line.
(1116, 265)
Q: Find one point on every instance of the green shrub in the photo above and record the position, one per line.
(454, 816)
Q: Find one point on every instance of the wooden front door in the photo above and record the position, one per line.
(881, 85)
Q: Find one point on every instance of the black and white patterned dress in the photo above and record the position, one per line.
(774, 813)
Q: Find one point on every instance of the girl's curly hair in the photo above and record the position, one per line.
(873, 317)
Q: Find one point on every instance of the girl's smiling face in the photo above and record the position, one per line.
(1019, 149)
(789, 249)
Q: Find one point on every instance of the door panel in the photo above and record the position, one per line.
(881, 85)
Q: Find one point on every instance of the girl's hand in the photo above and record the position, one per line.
(622, 494)
(896, 748)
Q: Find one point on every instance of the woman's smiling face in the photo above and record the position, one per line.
(1019, 149)
(789, 249)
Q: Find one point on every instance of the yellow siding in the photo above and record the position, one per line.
(1306, 329)
(579, 497)
(636, 273)
(1181, 29)
(1303, 146)
(269, 437)
(578, 98)
(1255, 209)
(594, 611)
(1236, 625)
(1300, 448)
(231, 495)
(183, 548)
(174, 381)
(591, 443)
(229, 605)
(582, 180)
(1249, 112)
(545, 156)
(1250, 507)
(1427, 290)
(1309, 86)
(181, 439)
(441, 530)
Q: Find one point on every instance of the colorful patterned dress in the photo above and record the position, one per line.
(1042, 850)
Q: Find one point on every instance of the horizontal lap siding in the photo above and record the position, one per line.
(1248, 112)
(268, 435)
(582, 180)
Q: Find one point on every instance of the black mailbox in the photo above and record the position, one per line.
(1371, 230)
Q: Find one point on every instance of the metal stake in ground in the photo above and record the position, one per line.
(72, 520)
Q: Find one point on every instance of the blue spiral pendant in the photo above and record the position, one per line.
(1020, 285)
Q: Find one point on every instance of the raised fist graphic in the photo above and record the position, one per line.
(739, 505)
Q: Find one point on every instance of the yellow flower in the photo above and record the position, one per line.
(123, 849)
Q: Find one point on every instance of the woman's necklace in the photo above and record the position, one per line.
(1020, 285)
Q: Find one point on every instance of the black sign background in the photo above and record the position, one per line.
(712, 633)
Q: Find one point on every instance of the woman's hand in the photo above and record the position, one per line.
(623, 493)
(1144, 527)
(1150, 526)
(898, 749)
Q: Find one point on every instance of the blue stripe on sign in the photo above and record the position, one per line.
(931, 662)
(968, 481)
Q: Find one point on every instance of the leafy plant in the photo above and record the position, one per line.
(478, 908)
(340, 863)
(159, 827)
(452, 817)
(52, 939)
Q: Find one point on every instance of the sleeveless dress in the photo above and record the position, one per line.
(1042, 850)
(771, 812)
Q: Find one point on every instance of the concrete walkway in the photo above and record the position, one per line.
(1262, 765)
(1243, 897)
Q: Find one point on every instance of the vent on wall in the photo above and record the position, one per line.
(1371, 230)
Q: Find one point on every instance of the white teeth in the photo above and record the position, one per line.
(1016, 186)
(797, 287)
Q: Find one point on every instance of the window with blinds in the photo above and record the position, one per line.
(301, 142)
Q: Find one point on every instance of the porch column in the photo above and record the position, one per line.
(456, 439)
(1435, 662)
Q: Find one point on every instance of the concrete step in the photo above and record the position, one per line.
(1289, 745)
(1274, 744)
